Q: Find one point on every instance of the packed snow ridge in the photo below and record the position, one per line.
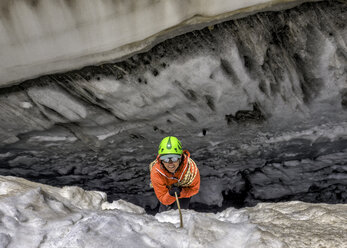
(42, 37)
(37, 215)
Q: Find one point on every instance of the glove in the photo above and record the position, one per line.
(175, 189)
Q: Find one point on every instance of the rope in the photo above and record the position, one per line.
(188, 178)
(179, 210)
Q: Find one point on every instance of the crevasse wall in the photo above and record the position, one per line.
(260, 102)
(40, 37)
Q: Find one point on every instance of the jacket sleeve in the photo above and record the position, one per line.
(193, 189)
(160, 189)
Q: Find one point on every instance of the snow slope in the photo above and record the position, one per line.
(37, 215)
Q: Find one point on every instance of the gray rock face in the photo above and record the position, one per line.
(260, 102)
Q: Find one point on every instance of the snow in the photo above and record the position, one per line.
(26, 105)
(52, 138)
(37, 215)
(50, 36)
(329, 131)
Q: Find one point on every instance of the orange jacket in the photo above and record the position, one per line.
(162, 180)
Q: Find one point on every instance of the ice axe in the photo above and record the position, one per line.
(179, 210)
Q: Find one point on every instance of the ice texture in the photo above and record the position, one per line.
(42, 37)
(35, 215)
(259, 101)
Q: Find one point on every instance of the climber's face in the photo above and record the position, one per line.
(171, 163)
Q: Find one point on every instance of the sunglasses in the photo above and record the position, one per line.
(173, 159)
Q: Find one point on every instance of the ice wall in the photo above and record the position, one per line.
(259, 101)
(40, 37)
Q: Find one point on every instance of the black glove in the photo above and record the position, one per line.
(175, 189)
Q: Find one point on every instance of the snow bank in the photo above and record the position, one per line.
(40, 37)
(35, 215)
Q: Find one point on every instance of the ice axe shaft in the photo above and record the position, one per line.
(179, 210)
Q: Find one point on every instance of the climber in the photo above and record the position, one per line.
(174, 171)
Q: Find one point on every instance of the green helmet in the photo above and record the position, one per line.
(170, 145)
